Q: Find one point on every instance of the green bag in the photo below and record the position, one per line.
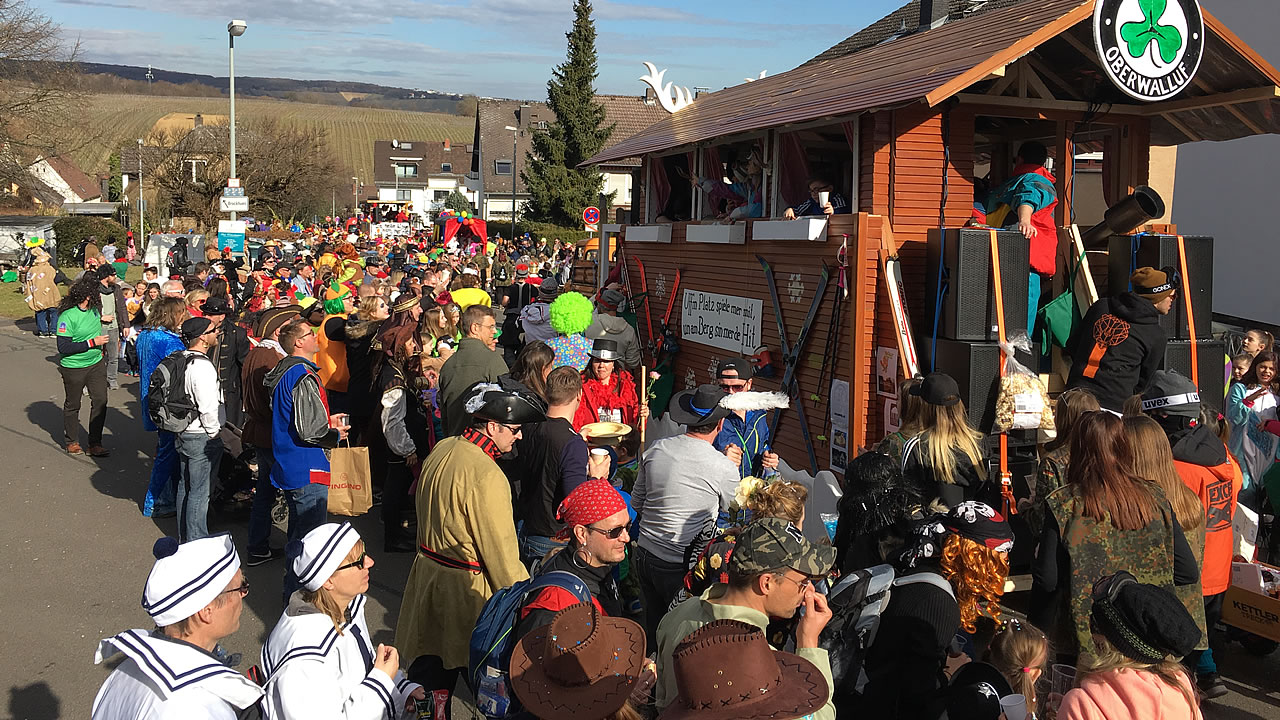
(1060, 316)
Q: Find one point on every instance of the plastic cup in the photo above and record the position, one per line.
(1064, 678)
(1014, 707)
(600, 452)
(823, 198)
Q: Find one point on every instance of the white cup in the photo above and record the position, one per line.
(600, 452)
(823, 198)
(1014, 707)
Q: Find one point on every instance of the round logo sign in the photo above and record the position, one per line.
(1150, 49)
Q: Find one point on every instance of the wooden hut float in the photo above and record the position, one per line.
(902, 126)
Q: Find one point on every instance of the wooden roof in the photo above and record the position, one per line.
(1236, 92)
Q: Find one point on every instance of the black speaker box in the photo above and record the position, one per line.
(976, 368)
(1211, 357)
(1130, 252)
(968, 309)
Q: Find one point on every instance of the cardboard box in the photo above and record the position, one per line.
(1248, 609)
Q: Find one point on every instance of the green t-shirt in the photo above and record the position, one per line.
(80, 326)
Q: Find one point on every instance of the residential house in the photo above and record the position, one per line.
(421, 173)
(66, 179)
(493, 169)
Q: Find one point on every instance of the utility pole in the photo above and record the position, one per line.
(235, 28)
(142, 216)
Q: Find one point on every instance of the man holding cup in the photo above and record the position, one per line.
(823, 200)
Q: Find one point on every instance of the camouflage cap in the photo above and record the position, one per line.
(771, 544)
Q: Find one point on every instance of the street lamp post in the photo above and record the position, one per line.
(142, 217)
(515, 134)
(235, 29)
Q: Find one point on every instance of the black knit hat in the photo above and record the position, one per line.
(1144, 622)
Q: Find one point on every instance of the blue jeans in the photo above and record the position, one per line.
(535, 547)
(308, 510)
(46, 321)
(264, 498)
(163, 488)
(199, 456)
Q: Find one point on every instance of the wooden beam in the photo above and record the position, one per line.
(1235, 112)
(1181, 128)
(1053, 77)
(1234, 42)
(1033, 105)
(1204, 102)
(1083, 49)
(1003, 84)
(1036, 83)
(1019, 48)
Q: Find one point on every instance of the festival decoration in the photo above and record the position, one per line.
(682, 97)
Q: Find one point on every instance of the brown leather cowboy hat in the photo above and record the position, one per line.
(582, 666)
(725, 670)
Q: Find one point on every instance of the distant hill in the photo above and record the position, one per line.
(111, 121)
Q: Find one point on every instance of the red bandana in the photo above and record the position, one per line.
(590, 502)
(482, 441)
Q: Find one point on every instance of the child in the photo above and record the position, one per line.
(1239, 366)
(1019, 651)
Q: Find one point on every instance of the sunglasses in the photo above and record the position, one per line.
(612, 533)
(357, 563)
(243, 589)
(733, 388)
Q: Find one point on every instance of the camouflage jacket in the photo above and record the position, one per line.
(1192, 596)
(892, 446)
(1051, 474)
(1097, 549)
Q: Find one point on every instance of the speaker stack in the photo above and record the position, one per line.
(967, 331)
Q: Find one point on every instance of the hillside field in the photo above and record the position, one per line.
(112, 121)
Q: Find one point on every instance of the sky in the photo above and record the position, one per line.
(501, 48)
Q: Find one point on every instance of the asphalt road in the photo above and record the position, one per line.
(75, 552)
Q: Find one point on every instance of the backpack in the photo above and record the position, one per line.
(493, 640)
(169, 405)
(857, 601)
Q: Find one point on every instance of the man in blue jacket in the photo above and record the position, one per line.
(744, 439)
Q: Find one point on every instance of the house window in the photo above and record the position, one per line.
(407, 170)
(197, 169)
(501, 167)
(446, 167)
(440, 195)
(403, 195)
(406, 146)
(542, 124)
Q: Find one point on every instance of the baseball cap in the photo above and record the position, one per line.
(740, 368)
(771, 544)
(193, 328)
(938, 389)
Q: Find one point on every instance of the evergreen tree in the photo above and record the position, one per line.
(558, 189)
(458, 202)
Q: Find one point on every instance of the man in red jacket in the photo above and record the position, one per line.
(1205, 466)
(1027, 201)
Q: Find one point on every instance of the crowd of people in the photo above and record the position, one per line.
(672, 579)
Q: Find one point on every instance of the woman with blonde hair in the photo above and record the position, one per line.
(944, 462)
(1056, 456)
(437, 333)
(1153, 461)
(1139, 631)
(320, 660)
(195, 302)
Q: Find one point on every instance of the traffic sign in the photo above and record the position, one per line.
(590, 228)
(233, 182)
(591, 215)
(232, 192)
(233, 204)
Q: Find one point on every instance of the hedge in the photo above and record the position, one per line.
(73, 229)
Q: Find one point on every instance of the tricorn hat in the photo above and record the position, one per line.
(489, 401)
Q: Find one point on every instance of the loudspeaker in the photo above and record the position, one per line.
(976, 368)
(1130, 252)
(1211, 357)
(968, 310)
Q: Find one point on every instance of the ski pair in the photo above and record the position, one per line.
(791, 355)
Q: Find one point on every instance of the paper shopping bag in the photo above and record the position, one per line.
(350, 492)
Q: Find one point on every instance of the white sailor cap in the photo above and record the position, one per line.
(188, 576)
(320, 552)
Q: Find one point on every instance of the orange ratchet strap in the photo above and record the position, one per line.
(1191, 320)
(1006, 478)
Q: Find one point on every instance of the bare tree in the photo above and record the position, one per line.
(39, 87)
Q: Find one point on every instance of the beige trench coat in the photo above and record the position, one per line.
(464, 513)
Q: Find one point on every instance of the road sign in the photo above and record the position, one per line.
(233, 204)
(590, 228)
(591, 215)
(231, 234)
(233, 182)
(232, 192)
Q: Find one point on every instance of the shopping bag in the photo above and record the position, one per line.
(350, 491)
(1060, 317)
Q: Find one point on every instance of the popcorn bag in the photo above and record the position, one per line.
(1022, 403)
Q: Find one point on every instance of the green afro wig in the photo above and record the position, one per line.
(571, 313)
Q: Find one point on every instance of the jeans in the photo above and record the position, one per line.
(112, 353)
(659, 580)
(308, 510)
(162, 491)
(264, 498)
(46, 321)
(74, 381)
(535, 547)
(199, 456)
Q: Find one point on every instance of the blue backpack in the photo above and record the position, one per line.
(494, 638)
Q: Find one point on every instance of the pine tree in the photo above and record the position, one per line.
(559, 190)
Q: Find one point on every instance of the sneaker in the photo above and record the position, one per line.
(1211, 685)
(74, 448)
(254, 559)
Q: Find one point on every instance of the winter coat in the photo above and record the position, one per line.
(1204, 466)
(620, 331)
(1128, 694)
(42, 290)
(473, 362)
(154, 345)
(535, 319)
(464, 515)
(1116, 350)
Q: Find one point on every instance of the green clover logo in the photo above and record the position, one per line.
(1140, 35)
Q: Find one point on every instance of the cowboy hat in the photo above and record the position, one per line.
(700, 406)
(725, 670)
(584, 664)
